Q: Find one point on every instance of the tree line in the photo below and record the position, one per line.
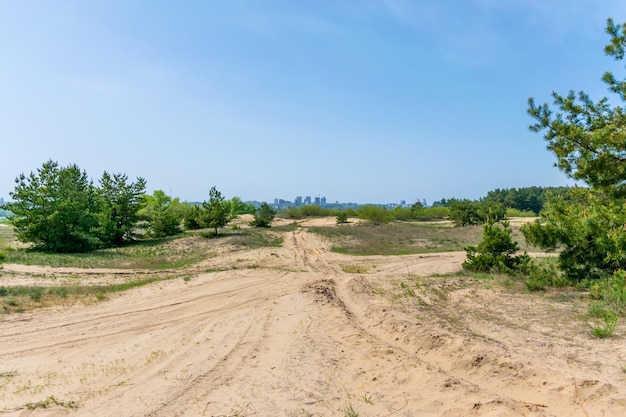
(59, 209)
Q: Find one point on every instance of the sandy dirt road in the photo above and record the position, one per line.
(295, 335)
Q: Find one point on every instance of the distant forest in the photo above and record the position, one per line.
(523, 199)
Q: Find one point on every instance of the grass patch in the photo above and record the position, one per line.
(168, 253)
(20, 298)
(399, 238)
(355, 269)
(49, 401)
(8, 374)
(256, 238)
(350, 411)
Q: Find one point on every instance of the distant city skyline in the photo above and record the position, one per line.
(322, 201)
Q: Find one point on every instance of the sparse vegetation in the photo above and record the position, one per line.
(350, 411)
(49, 401)
(18, 298)
(163, 253)
(355, 269)
(399, 238)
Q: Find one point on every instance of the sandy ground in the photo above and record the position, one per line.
(289, 333)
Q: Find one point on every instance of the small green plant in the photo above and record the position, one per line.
(12, 302)
(342, 217)
(48, 402)
(608, 317)
(350, 411)
(36, 293)
(407, 290)
(367, 398)
(8, 374)
(542, 274)
(611, 290)
(354, 269)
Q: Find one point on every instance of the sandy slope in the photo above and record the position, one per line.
(296, 336)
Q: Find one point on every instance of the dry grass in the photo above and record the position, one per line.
(400, 238)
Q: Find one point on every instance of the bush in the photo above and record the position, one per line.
(541, 275)
(513, 212)
(589, 228)
(402, 213)
(342, 217)
(466, 212)
(308, 211)
(374, 214)
(608, 319)
(611, 290)
(495, 253)
(264, 216)
(191, 218)
(431, 213)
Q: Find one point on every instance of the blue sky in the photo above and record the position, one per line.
(365, 101)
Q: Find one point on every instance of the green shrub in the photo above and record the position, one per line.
(607, 316)
(431, 213)
(513, 212)
(588, 227)
(496, 251)
(264, 216)
(191, 218)
(402, 213)
(467, 212)
(292, 213)
(342, 217)
(541, 275)
(611, 290)
(374, 214)
(36, 293)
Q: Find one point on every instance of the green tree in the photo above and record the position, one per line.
(588, 227)
(468, 212)
(237, 207)
(162, 219)
(589, 141)
(264, 216)
(119, 203)
(463, 212)
(417, 209)
(216, 212)
(588, 138)
(191, 218)
(55, 209)
(496, 252)
(490, 211)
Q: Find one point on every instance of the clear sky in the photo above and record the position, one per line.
(365, 101)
